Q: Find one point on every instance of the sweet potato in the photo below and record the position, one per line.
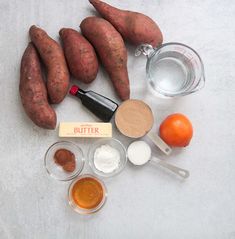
(54, 60)
(134, 27)
(112, 52)
(80, 55)
(33, 91)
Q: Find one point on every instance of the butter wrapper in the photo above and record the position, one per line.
(85, 130)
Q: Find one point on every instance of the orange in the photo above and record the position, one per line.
(176, 130)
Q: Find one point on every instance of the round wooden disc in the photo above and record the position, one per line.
(134, 118)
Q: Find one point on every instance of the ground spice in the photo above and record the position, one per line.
(66, 159)
(87, 193)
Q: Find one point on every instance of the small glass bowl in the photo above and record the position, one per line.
(81, 210)
(55, 170)
(113, 143)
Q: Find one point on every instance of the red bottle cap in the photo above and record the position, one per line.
(74, 89)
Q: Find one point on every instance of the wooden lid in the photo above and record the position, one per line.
(134, 118)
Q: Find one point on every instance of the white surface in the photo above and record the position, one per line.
(143, 202)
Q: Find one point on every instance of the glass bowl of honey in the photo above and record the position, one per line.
(87, 194)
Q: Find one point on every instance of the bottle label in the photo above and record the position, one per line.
(85, 129)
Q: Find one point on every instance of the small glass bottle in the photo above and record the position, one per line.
(101, 106)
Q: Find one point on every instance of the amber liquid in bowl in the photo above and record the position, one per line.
(87, 193)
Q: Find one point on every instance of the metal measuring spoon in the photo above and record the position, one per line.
(139, 153)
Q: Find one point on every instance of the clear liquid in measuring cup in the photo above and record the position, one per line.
(170, 73)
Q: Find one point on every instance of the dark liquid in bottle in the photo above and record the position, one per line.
(101, 106)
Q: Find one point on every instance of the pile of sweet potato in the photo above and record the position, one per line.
(101, 36)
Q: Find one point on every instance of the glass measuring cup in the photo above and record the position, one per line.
(139, 153)
(173, 69)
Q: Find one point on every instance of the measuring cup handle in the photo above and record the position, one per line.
(145, 49)
(179, 171)
(159, 143)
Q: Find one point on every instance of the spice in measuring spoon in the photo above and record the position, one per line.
(139, 153)
(99, 105)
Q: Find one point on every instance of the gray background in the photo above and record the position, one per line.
(145, 202)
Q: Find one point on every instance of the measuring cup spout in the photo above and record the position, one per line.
(145, 49)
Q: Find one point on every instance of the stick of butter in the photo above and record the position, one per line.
(85, 129)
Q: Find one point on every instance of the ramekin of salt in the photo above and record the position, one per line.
(107, 157)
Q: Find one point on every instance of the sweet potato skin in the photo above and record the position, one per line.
(134, 27)
(33, 91)
(80, 55)
(53, 57)
(112, 52)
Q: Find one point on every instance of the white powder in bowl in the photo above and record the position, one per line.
(106, 158)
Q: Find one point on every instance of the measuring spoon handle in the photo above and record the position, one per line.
(179, 171)
(159, 143)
